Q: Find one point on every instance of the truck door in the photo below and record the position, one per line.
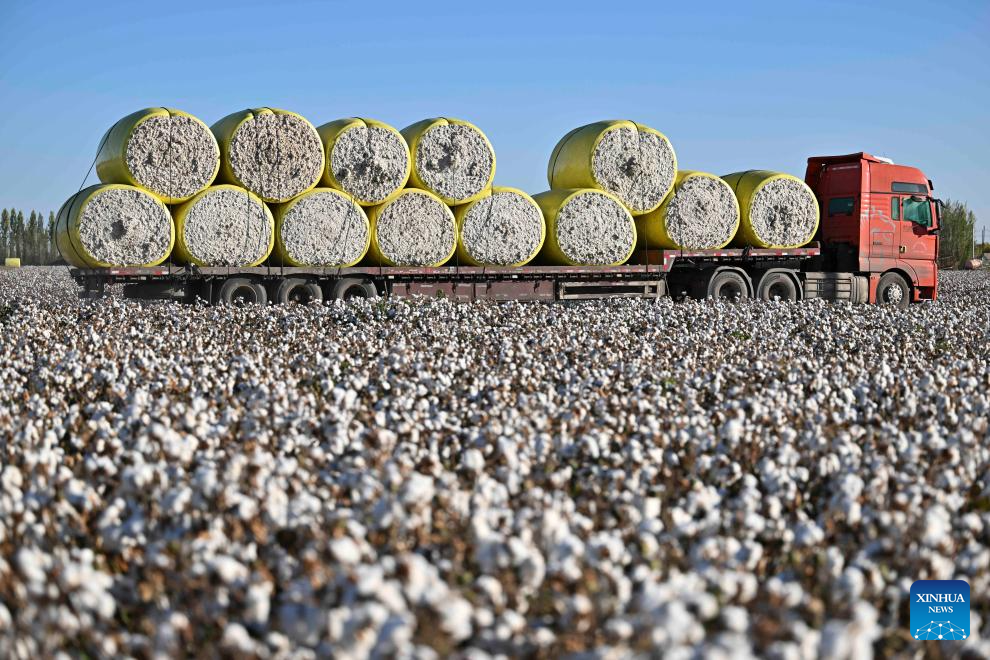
(916, 243)
(883, 230)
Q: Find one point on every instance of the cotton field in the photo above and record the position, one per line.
(424, 478)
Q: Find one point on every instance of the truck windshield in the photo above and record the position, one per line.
(918, 212)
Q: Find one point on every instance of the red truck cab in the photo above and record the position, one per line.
(880, 220)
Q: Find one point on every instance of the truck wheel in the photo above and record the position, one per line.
(893, 290)
(352, 287)
(728, 284)
(297, 290)
(240, 291)
(777, 285)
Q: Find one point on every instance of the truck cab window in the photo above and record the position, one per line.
(841, 206)
(895, 208)
(918, 212)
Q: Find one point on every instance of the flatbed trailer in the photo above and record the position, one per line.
(730, 273)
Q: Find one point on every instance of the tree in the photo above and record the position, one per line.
(4, 233)
(18, 235)
(31, 239)
(52, 251)
(956, 236)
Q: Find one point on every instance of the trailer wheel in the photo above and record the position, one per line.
(728, 284)
(352, 287)
(777, 285)
(893, 290)
(297, 290)
(240, 291)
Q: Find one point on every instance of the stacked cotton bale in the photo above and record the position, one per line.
(114, 225)
(451, 158)
(776, 210)
(586, 227)
(275, 154)
(600, 176)
(224, 225)
(415, 228)
(321, 227)
(701, 214)
(504, 227)
(633, 162)
(367, 159)
(167, 152)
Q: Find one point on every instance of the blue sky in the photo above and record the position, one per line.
(735, 85)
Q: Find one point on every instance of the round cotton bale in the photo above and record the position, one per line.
(276, 154)
(367, 159)
(321, 227)
(224, 225)
(503, 228)
(586, 227)
(634, 162)
(414, 229)
(451, 158)
(114, 225)
(167, 152)
(701, 214)
(776, 210)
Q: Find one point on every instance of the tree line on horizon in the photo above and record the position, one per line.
(30, 238)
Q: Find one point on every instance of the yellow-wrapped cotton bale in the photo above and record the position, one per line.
(276, 154)
(776, 210)
(321, 227)
(505, 227)
(586, 227)
(114, 225)
(701, 214)
(414, 229)
(633, 162)
(165, 151)
(451, 158)
(223, 225)
(367, 159)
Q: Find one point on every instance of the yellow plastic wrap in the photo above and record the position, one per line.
(12, 262)
(652, 227)
(551, 203)
(329, 133)
(279, 211)
(182, 254)
(225, 129)
(67, 236)
(111, 161)
(461, 211)
(376, 257)
(572, 160)
(413, 133)
(745, 185)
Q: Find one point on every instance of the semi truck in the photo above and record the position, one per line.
(877, 242)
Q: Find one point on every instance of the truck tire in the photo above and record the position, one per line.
(240, 291)
(775, 285)
(893, 290)
(352, 287)
(728, 284)
(297, 290)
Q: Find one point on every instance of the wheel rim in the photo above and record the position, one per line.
(730, 290)
(299, 294)
(779, 290)
(356, 291)
(893, 294)
(243, 295)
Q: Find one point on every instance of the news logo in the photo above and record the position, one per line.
(940, 610)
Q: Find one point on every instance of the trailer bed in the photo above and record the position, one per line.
(647, 277)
